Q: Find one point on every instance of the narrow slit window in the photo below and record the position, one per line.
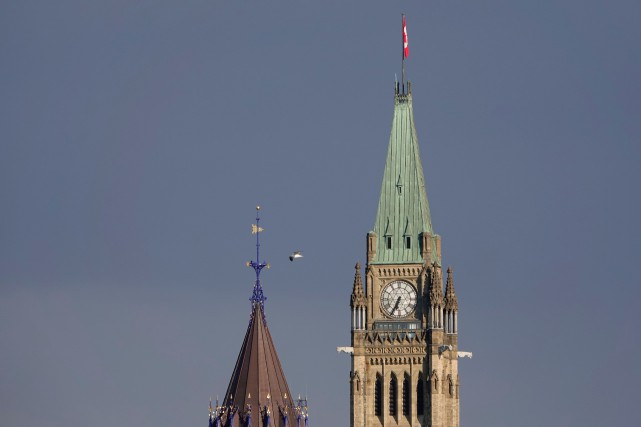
(389, 242)
(408, 242)
(419, 396)
(378, 390)
(392, 396)
(406, 396)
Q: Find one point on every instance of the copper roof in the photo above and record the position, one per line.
(403, 210)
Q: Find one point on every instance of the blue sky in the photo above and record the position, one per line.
(137, 138)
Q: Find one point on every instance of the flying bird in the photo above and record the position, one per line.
(296, 254)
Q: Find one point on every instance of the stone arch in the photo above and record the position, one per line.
(357, 382)
(435, 380)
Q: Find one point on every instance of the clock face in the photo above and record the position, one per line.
(398, 299)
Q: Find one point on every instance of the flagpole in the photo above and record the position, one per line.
(402, 52)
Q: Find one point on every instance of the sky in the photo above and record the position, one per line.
(136, 139)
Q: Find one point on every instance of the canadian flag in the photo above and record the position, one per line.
(406, 49)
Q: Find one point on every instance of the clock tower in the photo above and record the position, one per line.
(404, 323)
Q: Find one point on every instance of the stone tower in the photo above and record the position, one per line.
(404, 325)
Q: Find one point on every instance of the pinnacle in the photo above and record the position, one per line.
(451, 303)
(358, 296)
(435, 289)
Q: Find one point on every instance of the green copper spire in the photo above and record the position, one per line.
(403, 225)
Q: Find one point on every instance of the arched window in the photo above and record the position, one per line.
(419, 396)
(378, 392)
(406, 396)
(392, 395)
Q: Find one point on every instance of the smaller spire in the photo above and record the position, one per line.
(257, 298)
(301, 411)
(215, 414)
(451, 303)
(258, 371)
(358, 296)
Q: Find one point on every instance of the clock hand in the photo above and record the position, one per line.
(398, 301)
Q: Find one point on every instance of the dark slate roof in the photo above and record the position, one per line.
(258, 377)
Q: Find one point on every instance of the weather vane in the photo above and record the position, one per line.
(257, 296)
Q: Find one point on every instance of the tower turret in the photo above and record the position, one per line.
(451, 305)
(434, 301)
(358, 302)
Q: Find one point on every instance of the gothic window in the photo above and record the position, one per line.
(419, 396)
(378, 391)
(392, 395)
(406, 396)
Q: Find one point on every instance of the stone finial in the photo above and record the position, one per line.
(451, 302)
(358, 296)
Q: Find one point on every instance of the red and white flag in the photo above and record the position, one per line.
(406, 49)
